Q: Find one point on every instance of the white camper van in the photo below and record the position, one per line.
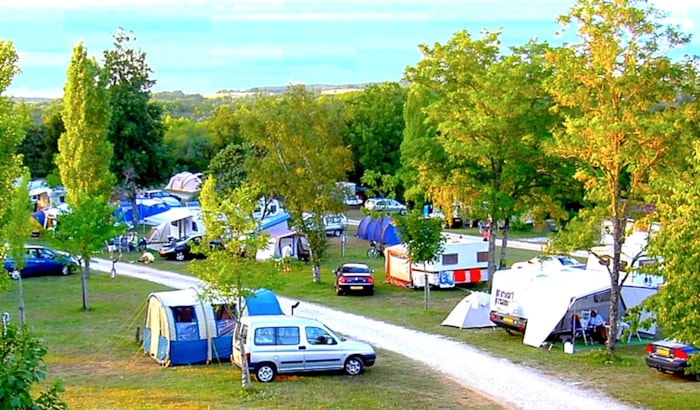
(462, 261)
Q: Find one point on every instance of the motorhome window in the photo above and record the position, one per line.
(264, 336)
(273, 209)
(288, 335)
(482, 256)
(646, 262)
(450, 259)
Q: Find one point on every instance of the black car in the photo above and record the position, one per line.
(354, 277)
(181, 249)
(669, 356)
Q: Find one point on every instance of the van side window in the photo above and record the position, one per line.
(264, 336)
(318, 336)
(288, 335)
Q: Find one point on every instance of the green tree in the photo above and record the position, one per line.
(230, 272)
(676, 303)
(188, 143)
(83, 151)
(301, 157)
(227, 166)
(11, 129)
(16, 231)
(375, 128)
(136, 129)
(83, 163)
(424, 241)
(492, 119)
(53, 123)
(617, 90)
(21, 368)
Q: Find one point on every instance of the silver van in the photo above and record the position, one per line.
(291, 344)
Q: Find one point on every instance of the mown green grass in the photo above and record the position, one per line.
(95, 352)
(101, 365)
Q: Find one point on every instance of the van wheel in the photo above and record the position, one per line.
(265, 373)
(354, 366)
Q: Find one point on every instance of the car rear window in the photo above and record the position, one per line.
(355, 270)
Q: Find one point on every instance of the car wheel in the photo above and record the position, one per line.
(265, 373)
(65, 270)
(337, 233)
(180, 255)
(338, 292)
(370, 292)
(354, 366)
(14, 274)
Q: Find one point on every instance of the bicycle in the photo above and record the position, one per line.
(375, 250)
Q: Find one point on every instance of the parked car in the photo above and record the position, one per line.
(291, 344)
(669, 356)
(181, 249)
(40, 260)
(334, 224)
(353, 200)
(354, 277)
(385, 205)
(454, 224)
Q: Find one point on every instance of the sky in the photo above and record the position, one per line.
(203, 46)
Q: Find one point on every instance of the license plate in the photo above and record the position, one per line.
(662, 351)
(508, 320)
(356, 287)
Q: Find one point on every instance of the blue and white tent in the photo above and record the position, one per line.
(182, 328)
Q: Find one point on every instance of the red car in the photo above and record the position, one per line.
(354, 278)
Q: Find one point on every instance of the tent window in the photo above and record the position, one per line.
(225, 319)
(482, 256)
(185, 322)
(450, 259)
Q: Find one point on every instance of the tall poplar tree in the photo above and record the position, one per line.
(83, 162)
(618, 92)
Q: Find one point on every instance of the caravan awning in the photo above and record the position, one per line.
(171, 215)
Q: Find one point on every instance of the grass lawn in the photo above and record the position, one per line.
(101, 343)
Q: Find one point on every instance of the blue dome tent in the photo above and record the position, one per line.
(381, 230)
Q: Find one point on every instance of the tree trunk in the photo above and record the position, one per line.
(492, 250)
(504, 244)
(618, 240)
(426, 287)
(316, 273)
(22, 315)
(245, 370)
(84, 275)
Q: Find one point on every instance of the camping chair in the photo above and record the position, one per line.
(579, 325)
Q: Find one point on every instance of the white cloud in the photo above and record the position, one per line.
(42, 59)
(26, 92)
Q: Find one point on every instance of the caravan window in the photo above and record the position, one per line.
(482, 256)
(225, 319)
(450, 259)
(185, 322)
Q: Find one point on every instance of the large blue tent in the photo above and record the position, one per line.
(381, 230)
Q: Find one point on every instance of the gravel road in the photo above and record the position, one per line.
(514, 385)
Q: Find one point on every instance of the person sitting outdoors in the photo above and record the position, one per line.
(147, 257)
(597, 326)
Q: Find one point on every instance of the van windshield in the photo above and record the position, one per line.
(337, 336)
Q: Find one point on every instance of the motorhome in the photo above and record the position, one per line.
(462, 261)
(540, 298)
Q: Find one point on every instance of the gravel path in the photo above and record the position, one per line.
(516, 385)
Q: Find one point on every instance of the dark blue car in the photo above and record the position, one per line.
(669, 356)
(40, 260)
